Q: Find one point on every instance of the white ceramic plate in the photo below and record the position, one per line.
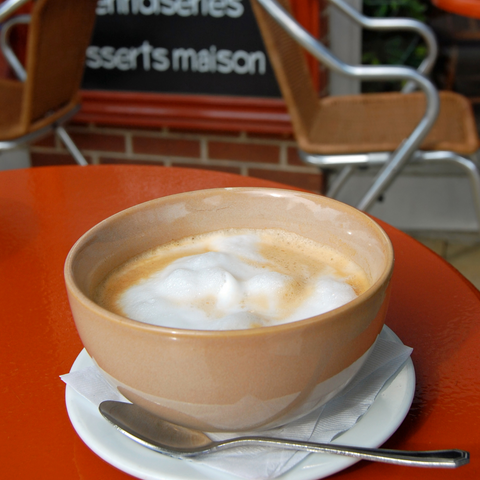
(374, 428)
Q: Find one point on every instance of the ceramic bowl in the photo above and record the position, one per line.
(232, 380)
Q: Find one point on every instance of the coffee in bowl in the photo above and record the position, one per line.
(232, 279)
(231, 379)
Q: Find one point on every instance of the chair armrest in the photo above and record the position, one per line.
(9, 7)
(402, 154)
(7, 50)
(385, 24)
(324, 55)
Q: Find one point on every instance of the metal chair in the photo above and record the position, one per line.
(381, 129)
(46, 94)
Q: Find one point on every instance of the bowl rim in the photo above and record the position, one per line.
(73, 289)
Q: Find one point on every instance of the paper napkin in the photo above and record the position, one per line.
(322, 425)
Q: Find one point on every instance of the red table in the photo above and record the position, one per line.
(467, 8)
(43, 211)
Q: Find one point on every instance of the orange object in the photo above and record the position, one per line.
(467, 8)
(43, 211)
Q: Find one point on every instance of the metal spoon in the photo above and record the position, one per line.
(181, 442)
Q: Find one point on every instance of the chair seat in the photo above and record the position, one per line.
(379, 122)
(11, 95)
(13, 126)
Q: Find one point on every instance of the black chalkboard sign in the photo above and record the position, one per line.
(179, 46)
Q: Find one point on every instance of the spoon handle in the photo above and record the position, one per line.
(174, 440)
(433, 458)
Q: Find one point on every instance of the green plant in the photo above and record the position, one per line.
(392, 48)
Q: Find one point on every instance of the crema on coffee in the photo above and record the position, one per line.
(232, 279)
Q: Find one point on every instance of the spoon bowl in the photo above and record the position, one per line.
(180, 442)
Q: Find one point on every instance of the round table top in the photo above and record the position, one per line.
(467, 8)
(43, 211)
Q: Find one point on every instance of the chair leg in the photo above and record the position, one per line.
(342, 176)
(71, 147)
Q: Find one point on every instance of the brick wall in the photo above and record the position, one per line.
(269, 157)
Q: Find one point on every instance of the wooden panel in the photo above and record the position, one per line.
(206, 112)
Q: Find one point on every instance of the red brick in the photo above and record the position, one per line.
(293, 158)
(271, 136)
(99, 141)
(48, 141)
(166, 146)
(45, 159)
(207, 167)
(128, 161)
(308, 181)
(247, 152)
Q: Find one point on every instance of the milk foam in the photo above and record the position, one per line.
(233, 279)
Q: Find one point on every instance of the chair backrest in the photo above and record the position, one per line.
(291, 70)
(58, 36)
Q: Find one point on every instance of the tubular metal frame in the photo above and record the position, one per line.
(9, 7)
(6, 9)
(350, 163)
(391, 163)
(386, 24)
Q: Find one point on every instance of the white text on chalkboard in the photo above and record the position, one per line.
(147, 57)
(183, 8)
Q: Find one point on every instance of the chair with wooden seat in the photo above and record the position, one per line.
(47, 92)
(389, 130)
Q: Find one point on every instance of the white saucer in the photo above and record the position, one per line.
(374, 428)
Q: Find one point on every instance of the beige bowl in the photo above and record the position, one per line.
(239, 379)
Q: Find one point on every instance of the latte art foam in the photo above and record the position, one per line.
(232, 279)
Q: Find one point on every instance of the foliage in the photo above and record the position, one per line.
(392, 48)
(395, 8)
